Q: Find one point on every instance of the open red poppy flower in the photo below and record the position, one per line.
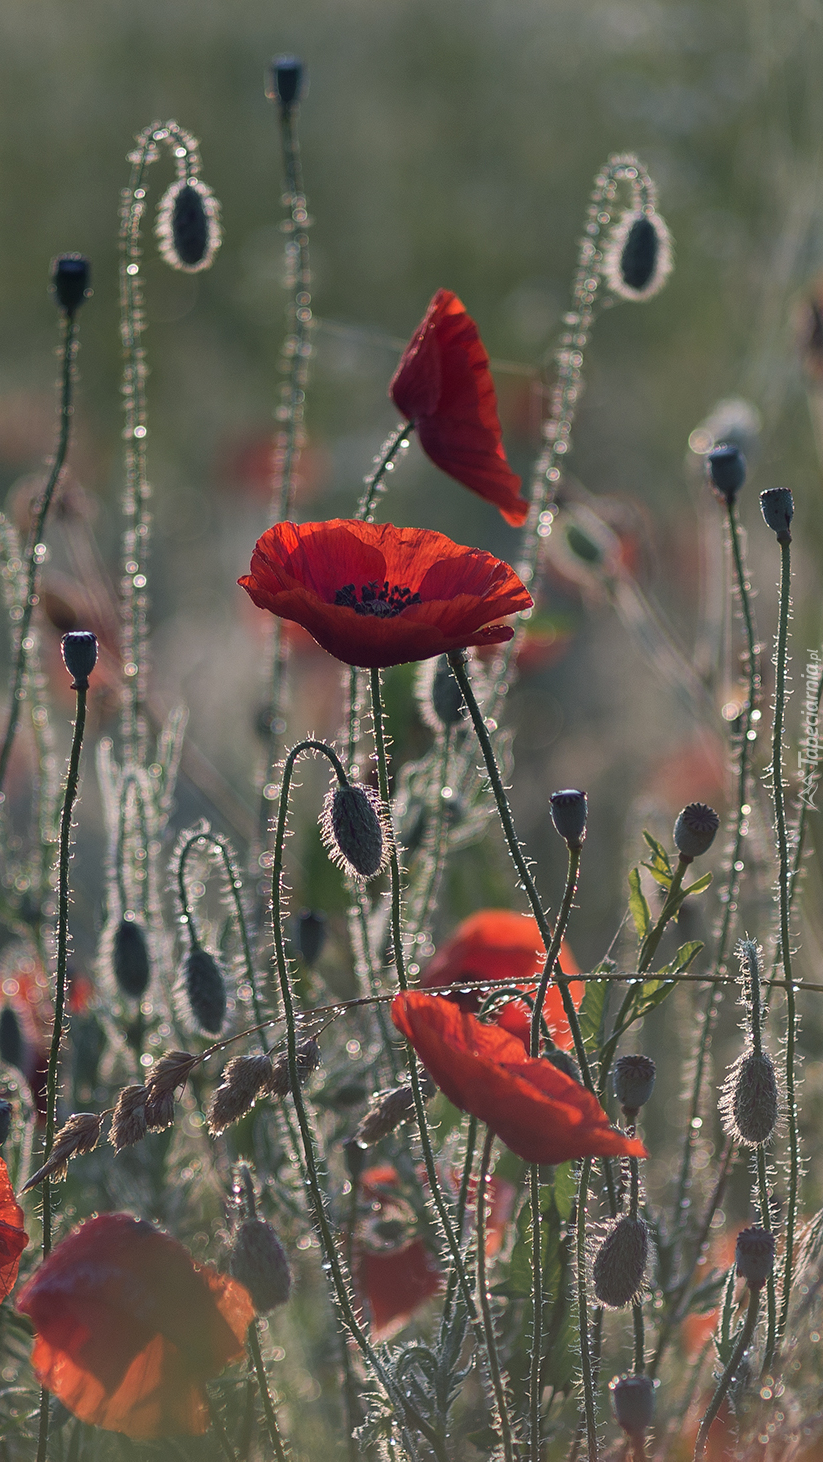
(444, 386)
(499, 944)
(129, 1328)
(375, 595)
(540, 1113)
(13, 1238)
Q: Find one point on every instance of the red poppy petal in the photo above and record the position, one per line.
(474, 456)
(13, 1238)
(154, 1398)
(396, 1284)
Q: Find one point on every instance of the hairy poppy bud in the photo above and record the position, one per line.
(568, 811)
(70, 282)
(727, 470)
(188, 226)
(12, 1045)
(446, 697)
(748, 1102)
(777, 507)
(311, 935)
(5, 1120)
(130, 959)
(564, 1061)
(259, 1261)
(695, 829)
(286, 80)
(206, 989)
(754, 1256)
(620, 1263)
(352, 827)
(633, 1402)
(638, 259)
(633, 1082)
(79, 649)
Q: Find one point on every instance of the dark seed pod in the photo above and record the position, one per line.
(620, 1263)
(5, 1119)
(754, 1256)
(695, 830)
(569, 810)
(206, 989)
(311, 935)
(70, 282)
(748, 1102)
(638, 259)
(353, 831)
(633, 1082)
(286, 81)
(188, 227)
(633, 1402)
(777, 507)
(12, 1045)
(259, 1261)
(79, 649)
(130, 959)
(726, 467)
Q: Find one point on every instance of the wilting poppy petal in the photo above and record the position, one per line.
(499, 944)
(540, 1113)
(375, 595)
(129, 1328)
(444, 386)
(13, 1238)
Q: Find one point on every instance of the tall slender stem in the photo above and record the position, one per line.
(728, 1375)
(582, 1314)
(395, 445)
(485, 1307)
(253, 1343)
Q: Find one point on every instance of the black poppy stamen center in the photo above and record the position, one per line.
(377, 599)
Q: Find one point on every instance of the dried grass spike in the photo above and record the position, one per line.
(79, 1135)
(244, 1080)
(128, 1125)
(387, 1112)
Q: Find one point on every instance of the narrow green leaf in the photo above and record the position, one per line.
(660, 858)
(685, 954)
(564, 1189)
(638, 906)
(699, 885)
(592, 1012)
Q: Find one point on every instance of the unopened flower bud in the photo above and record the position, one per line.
(754, 1256)
(620, 1263)
(727, 470)
(633, 1402)
(633, 1082)
(353, 831)
(188, 226)
(564, 1061)
(568, 811)
(79, 649)
(311, 935)
(638, 258)
(130, 959)
(70, 282)
(286, 80)
(446, 696)
(777, 507)
(206, 989)
(12, 1045)
(5, 1119)
(748, 1102)
(695, 830)
(259, 1261)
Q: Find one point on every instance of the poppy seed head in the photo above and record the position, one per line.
(70, 281)
(754, 1256)
(748, 1101)
(695, 829)
(633, 1081)
(620, 1263)
(286, 80)
(205, 989)
(633, 1402)
(726, 468)
(79, 649)
(353, 830)
(569, 810)
(777, 507)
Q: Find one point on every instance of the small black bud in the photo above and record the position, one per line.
(130, 959)
(638, 257)
(568, 811)
(206, 989)
(12, 1045)
(727, 470)
(754, 1256)
(695, 829)
(633, 1082)
(287, 80)
(777, 507)
(5, 1119)
(79, 649)
(70, 282)
(638, 260)
(633, 1402)
(188, 225)
(311, 935)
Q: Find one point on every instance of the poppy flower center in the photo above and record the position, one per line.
(377, 599)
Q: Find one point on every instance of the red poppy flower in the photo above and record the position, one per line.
(129, 1328)
(540, 1113)
(395, 1278)
(444, 386)
(499, 944)
(372, 594)
(13, 1238)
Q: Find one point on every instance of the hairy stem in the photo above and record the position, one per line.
(729, 1373)
(485, 1306)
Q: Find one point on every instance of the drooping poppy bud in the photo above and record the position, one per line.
(70, 282)
(205, 989)
(311, 935)
(259, 1261)
(188, 226)
(440, 697)
(633, 1402)
(286, 81)
(564, 1061)
(638, 259)
(353, 830)
(633, 1082)
(726, 467)
(79, 649)
(5, 1120)
(777, 507)
(12, 1045)
(748, 1102)
(695, 830)
(130, 959)
(569, 811)
(620, 1263)
(754, 1256)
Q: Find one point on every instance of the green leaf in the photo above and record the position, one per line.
(699, 886)
(564, 1189)
(685, 954)
(658, 865)
(638, 906)
(592, 1012)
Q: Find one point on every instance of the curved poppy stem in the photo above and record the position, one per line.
(583, 1314)
(457, 661)
(554, 949)
(729, 1373)
(396, 445)
(482, 1291)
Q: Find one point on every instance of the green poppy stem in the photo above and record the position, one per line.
(729, 1373)
(395, 445)
(485, 1307)
(583, 1316)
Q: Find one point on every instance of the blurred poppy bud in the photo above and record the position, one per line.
(311, 935)
(12, 1045)
(568, 811)
(188, 226)
(353, 831)
(777, 507)
(70, 282)
(445, 697)
(633, 1082)
(286, 81)
(130, 959)
(754, 1256)
(355, 1157)
(694, 830)
(638, 258)
(620, 1263)
(79, 649)
(5, 1119)
(259, 1261)
(633, 1402)
(564, 1061)
(206, 989)
(748, 1103)
(727, 470)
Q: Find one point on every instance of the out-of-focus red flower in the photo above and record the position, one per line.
(26, 988)
(13, 1238)
(499, 944)
(129, 1328)
(375, 595)
(394, 1278)
(444, 386)
(540, 1113)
